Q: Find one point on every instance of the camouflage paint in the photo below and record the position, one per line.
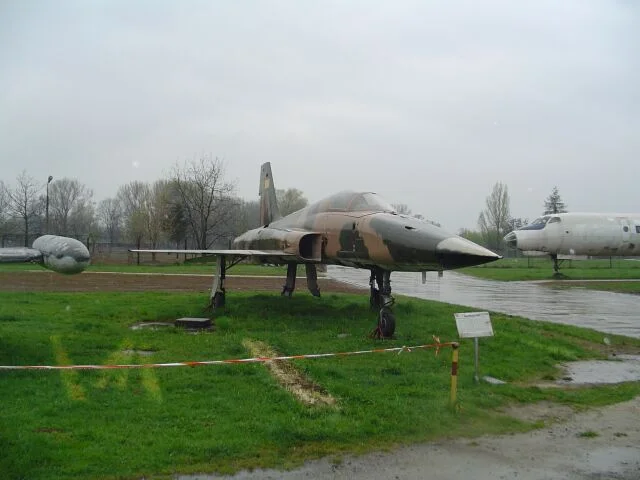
(358, 229)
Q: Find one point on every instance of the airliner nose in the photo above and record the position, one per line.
(511, 239)
(456, 252)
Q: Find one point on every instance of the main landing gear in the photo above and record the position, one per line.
(556, 267)
(217, 297)
(312, 279)
(380, 299)
(379, 282)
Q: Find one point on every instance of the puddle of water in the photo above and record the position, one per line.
(611, 462)
(142, 353)
(604, 311)
(625, 368)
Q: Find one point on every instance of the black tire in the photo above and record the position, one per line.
(386, 323)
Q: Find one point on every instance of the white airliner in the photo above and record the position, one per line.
(594, 234)
(60, 254)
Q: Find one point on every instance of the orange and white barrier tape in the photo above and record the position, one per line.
(437, 346)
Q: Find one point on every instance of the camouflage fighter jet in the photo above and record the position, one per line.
(353, 229)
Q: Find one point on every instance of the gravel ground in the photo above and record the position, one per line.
(599, 444)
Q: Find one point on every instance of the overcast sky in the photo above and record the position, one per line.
(426, 103)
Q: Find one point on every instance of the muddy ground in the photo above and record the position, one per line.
(602, 443)
(45, 281)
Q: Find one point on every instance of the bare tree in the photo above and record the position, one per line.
(290, 200)
(4, 200)
(494, 219)
(516, 223)
(401, 208)
(554, 203)
(6, 222)
(24, 202)
(82, 223)
(158, 206)
(110, 218)
(473, 235)
(207, 200)
(248, 216)
(177, 225)
(4, 207)
(134, 197)
(68, 198)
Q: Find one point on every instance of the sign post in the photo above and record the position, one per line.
(474, 325)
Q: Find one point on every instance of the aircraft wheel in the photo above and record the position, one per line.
(386, 323)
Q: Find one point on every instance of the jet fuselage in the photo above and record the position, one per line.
(360, 230)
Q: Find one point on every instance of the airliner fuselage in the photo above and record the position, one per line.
(594, 234)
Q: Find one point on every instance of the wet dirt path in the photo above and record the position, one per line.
(599, 444)
(609, 312)
(45, 281)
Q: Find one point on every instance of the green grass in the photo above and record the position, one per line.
(620, 287)
(208, 269)
(510, 269)
(152, 423)
(523, 269)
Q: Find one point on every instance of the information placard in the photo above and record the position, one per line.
(474, 324)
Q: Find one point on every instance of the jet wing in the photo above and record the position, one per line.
(237, 253)
(20, 255)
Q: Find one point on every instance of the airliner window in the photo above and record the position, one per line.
(625, 228)
(555, 220)
(537, 224)
(637, 228)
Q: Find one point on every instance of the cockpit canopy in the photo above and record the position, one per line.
(352, 202)
(541, 222)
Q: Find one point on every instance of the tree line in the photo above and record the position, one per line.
(194, 207)
(495, 220)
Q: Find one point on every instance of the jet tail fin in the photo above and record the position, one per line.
(268, 204)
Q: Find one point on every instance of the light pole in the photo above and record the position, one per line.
(47, 208)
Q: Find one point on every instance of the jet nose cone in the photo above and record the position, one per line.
(511, 239)
(456, 252)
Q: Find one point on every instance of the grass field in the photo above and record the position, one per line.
(510, 269)
(151, 423)
(619, 287)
